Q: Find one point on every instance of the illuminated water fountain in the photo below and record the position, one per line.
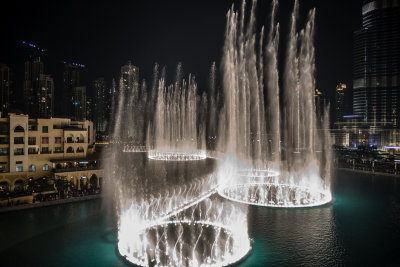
(178, 207)
(211, 233)
(175, 135)
(282, 143)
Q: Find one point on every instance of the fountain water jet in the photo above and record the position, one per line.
(175, 136)
(168, 211)
(279, 140)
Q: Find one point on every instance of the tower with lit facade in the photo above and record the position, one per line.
(100, 105)
(34, 69)
(376, 70)
(46, 97)
(5, 89)
(340, 102)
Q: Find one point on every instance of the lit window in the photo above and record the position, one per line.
(18, 168)
(46, 167)
(32, 168)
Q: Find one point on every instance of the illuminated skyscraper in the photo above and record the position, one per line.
(100, 105)
(5, 89)
(32, 84)
(72, 79)
(130, 76)
(376, 95)
(340, 102)
(46, 97)
(78, 103)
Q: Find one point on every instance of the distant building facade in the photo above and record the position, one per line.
(55, 147)
(5, 89)
(340, 102)
(71, 79)
(376, 95)
(100, 105)
(321, 103)
(78, 103)
(34, 69)
(46, 97)
(129, 77)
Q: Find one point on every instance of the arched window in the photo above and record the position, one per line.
(46, 167)
(4, 186)
(19, 129)
(80, 150)
(32, 168)
(19, 185)
(70, 150)
(93, 181)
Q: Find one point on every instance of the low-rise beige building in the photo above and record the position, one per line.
(36, 148)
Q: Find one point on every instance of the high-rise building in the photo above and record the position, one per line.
(100, 105)
(72, 79)
(5, 89)
(340, 102)
(78, 103)
(376, 95)
(130, 88)
(32, 85)
(321, 103)
(46, 97)
(130, 76)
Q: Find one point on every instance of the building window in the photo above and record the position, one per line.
(45, 140)
(4, 140)
(31, 141)
(32, 168)
(3, 151)
(18, 151)
(57, 149)
(45, 129)
(45, 150)
(19, 129)
(70, 150)
(3, 168)
(18, 140)
(80, 150)
(31, 150)
(57, 140)
(18, 168)
(18, 162)
(46, 167)
(32, 127)
(69, 140)
(4, 128)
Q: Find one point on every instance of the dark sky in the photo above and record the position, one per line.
(104, 36)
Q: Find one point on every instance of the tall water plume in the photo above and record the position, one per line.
(243, 122)
(175, 125)
(289, 164)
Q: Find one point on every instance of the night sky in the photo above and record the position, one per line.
(104, 36)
